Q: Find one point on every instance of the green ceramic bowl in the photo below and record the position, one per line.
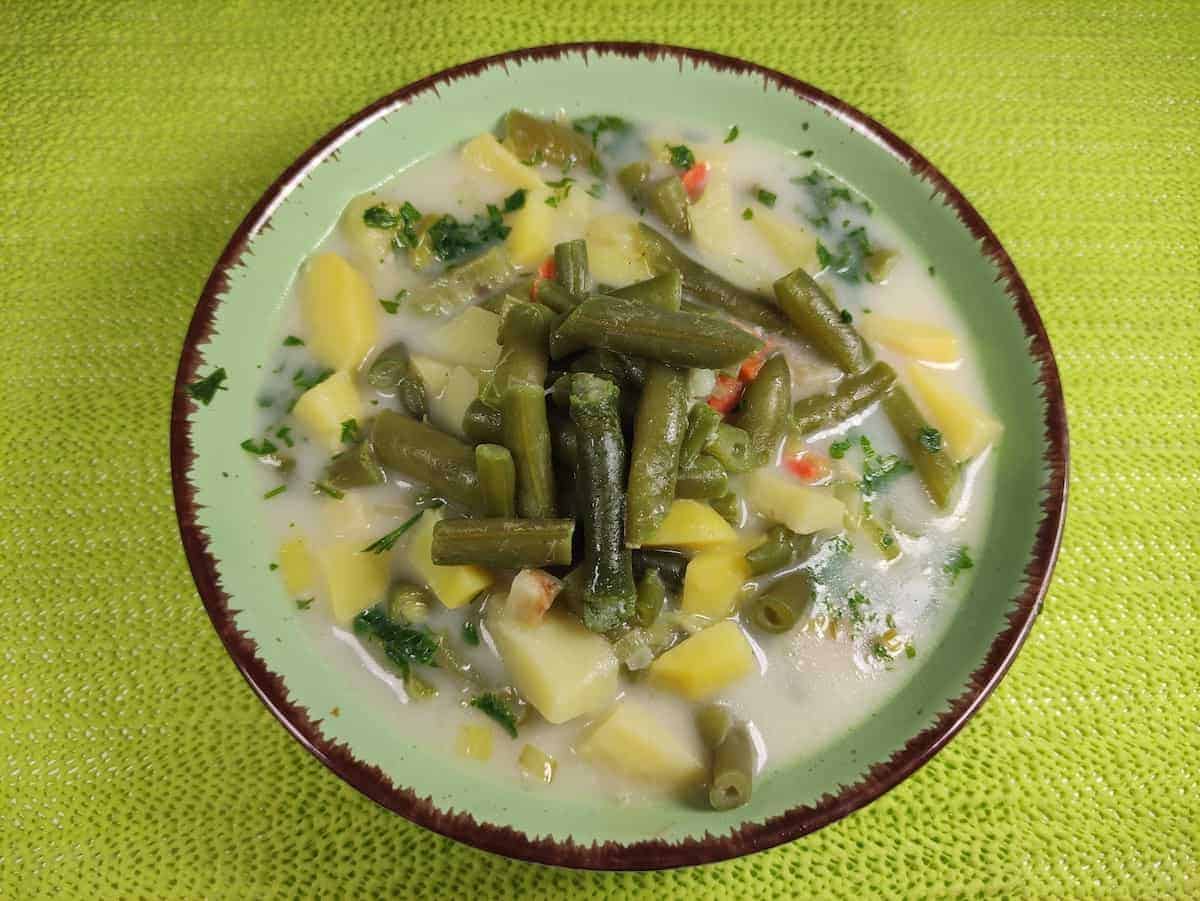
(228, 552)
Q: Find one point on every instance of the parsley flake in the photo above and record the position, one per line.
(765, 197)
(595, 126)
(494, 706)
(838, 449)
(930, 438)
(305, 382)
(205, 389)
(958, 561)
(279, 489)
(284, 434)
(304, 603)
(733, 135)
(403, 645)
(846, 316)
(350, 432)
(681, 156)
(388, 541)
(470, 633)
(293, 341)
(328, 490)
(747, 214)
(379, 216)
(514, 201)
(259, 449)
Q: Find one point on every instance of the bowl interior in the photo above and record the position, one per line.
(366, 742)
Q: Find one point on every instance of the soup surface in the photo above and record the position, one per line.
(622, 458)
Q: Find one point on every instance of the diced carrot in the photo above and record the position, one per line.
(548, 269)
(807, 466)
(726, 394)
(695, 180)
(753, 365)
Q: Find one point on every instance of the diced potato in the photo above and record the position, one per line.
(557, 664)
(322, 409)
(489, 155)
(631, 740)
(705, 663)
(350, 517)
(614, 254)
(793, 245)
(354, 580)
(692, 525)
(713, 581)
(296, 566)
(339, 310)
(966, 428)
(468, 339)
(446, 408)
(802, 508)
(368, 246)
(474, 741)
(531, 239)
(572, 213)
(712, 217)
(914, 339)
(452, 585)
(435, 375)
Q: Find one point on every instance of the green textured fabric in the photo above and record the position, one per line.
(133, 759)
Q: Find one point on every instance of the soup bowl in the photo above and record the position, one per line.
(218, 514)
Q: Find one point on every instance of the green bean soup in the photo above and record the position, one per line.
(622, 458)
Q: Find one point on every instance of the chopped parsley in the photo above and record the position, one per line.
(470, 633)
(880, 651)
(388, 541)
(857, 605)
(379, 216)
(205, 389)
(259, 449)
(265, 402)
(350, 432)
(838, 449)
(850, 257)
(279, 489)
(804, 153)
(594, 126)
(305, 382)
(765, 197)
(494, 706)
(452, 240)
(958, 561)
(932, 272)
(747, 213)
(284, 434)
(681, 156)
(598, 189)
(514, 201)
(392, 306)
(293, 341)
(403, 645)
(846, 316)
(562, 189)
(304, 603)
(879, 471)
(733, 135)
(328, 490)
(272, 566)
(930, 438)
(909, 651)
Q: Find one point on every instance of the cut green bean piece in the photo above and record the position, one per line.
(662, 256)
(657, 435)
(668, 200)
(651, 598)
(355, 467)
(677, 339)
(571, 267)
(407, 603)
(497, 480)
(608, 364)
(609, 594)
(564, 442)
(853, 394)
(732, 449)
(392, 373)
(819, 320)
(704, 479)
(769, 556)
(938, 472)
(555, 296)
(729, 507)
(703, 422)
(483, 424)
(765, 407)
(450, 293)
(633, 179)
(534, 141)
(778, 609)
(423, 454)
(714, 721)
(527, 436)
(504, 543)
(663, 291)
(671, 566)
(733, 769)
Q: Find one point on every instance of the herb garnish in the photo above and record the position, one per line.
(205, 389)
(562, 189)
(293, 341)
(930, 438)
(494, 706)
(598, 189)
(846, 316)
(284, 434)
(514, 201)
(849, 259)
(328, 490)
(765, 197)
(279, 489)
(451, 240)
(594, 126)
(260, 449)
(304, 603)
(879, 470)
(838, 449)
(733, 135)
(391, 306)
(305, 382)
(958, 561)
(402, 645)
(747, 213)
(388, 541)
(681, 156)
(379, 216)
(470, 633)
(350, 432)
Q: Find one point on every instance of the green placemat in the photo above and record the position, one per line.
(133, 759)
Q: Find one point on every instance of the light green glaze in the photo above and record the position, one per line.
(639, 88)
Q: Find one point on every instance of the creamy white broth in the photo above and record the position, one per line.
(812, 686)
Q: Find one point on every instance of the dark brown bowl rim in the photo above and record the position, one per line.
(649, 854)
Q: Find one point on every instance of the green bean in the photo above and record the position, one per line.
(651, 598)
(778, 608)
(571, 267)
(937, 471)
(610, 365)
(392, 372)
(504, 543)
(769, 556)
(627, 326)
(355, 467)
(497, 480)
(667, 199)
(609, 594)
(662, 256)
(734, 761)
(423, 454)
(764, 410)
(729, 507)
(533, 140)
(483, 424)
(663, 291)
(732, 449)
(407, 603)
(853, 394)
(704, 479)
(449, 293)
(819, 320)
(553, 295)
(714, 722)
(703, 422)
(570, 595)
(671, 566)
(564, 442)
(657, 435)
(633, 179)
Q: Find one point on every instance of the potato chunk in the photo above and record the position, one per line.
(802, 508)
(614, 253)
(322, 409)
(631, 740)
(692, 525)
(296, 566)
(369, 247)
(712, 582)
(453, 585)
(913, 339)
(354, 580)
(793, 245)
(468, 339)
(557, 664)
(488, 155)
(339, 310)
(967, 428)
(448, 406)
(531, 239)
(705, 663)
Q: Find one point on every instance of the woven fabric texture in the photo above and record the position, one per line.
(133, 138)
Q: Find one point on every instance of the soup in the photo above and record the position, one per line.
(622, 458)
